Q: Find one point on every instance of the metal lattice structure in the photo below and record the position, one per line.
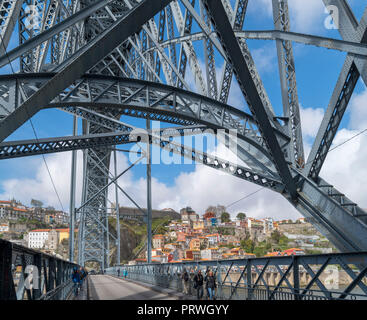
(103, 60)
(266, 278)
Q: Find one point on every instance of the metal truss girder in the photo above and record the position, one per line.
(94, 218)
(153, 98)
(205, 28)
(287, 72)
(333, 116)
(188, 48)
(16, 149)
(9, 11)
(220, 164)
(340, 225)
(171, 34)
(351, 30)
(343, 91)
(105, 43)
(254, 159)
(228, 71)
(249, 90)
(209, 57)
(44, 146)
(356, 49)
(49, 19)
(288, 267)
(187, 29)
(237, 24)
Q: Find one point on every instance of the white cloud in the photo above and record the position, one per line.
(306, 16)
(310, 120)
(265, 59)
(358, 111)
(40, 187)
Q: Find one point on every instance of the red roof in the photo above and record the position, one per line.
(40, 230)
(63, 230)
(19, 209)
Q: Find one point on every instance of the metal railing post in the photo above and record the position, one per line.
(37, 260)
(249, 280)
(7, 289)
(296, 277)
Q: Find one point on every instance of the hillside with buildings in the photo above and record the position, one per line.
(183, 236)
(215, 236)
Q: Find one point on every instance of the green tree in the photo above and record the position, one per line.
(225, 217)
(260, 251)
(241, 216)
(275, 236)
(248, 245)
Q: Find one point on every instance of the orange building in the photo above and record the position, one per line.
(195, 244)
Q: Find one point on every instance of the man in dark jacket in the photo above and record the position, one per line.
(185, 282)
(198, 284)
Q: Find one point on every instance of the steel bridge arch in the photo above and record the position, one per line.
(99, 50)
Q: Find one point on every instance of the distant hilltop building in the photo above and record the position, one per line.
(14, 210)
(188, 215)
(209, 215)
(129, 212)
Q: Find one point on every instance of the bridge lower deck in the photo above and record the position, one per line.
(105, 287)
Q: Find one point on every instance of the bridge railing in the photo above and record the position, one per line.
(337, 276)
(27, 274)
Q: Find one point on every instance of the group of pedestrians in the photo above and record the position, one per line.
(78, 277)
(198, 284)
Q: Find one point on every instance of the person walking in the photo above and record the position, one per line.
(211, 285)
(82, 275)
(185, 282)
(198, 284)
(118, 273)
(76, 280)
(206, 284)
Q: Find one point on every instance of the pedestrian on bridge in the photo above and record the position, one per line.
(211, 285)
(185, 282)
(198, 284)
(76, 280)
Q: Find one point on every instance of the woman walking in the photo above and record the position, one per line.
(211, 285)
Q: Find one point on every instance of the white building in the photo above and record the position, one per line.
(37, 238)
(213, 239)
(210, 254)
(268, 225)
(4, 227)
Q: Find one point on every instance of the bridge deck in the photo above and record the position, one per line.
(104, 287)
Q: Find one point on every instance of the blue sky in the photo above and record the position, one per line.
(317, 72)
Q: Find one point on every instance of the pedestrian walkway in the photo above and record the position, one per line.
(170, 292)
(106, 287)
(83, 293)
